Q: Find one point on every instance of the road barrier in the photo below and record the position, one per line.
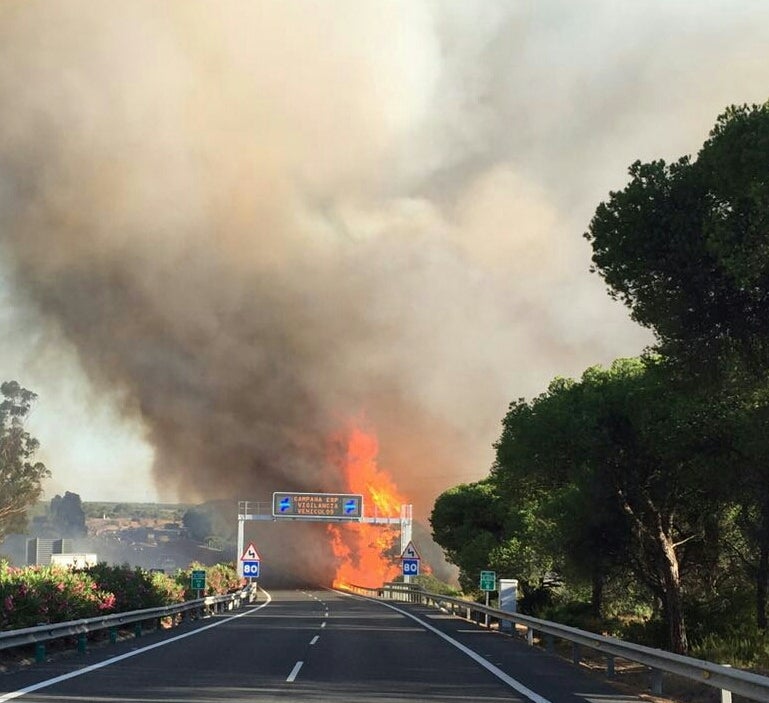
(743, 683)
(200, 607)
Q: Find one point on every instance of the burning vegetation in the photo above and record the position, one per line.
(367, 553)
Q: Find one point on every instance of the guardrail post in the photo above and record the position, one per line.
(549, 644)
(575, 653)
(530, 637)
(138, 629)
(112, 635)
(726, 696)
(609, 666)
(39, 652)
(82, 641)
(656, 682)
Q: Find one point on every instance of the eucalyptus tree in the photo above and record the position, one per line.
(21, 477)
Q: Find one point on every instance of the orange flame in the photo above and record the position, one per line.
(367, 553)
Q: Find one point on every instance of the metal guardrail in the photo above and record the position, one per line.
(41, 634)
(744, 683)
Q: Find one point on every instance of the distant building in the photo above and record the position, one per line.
(74, 561)
(39, 550)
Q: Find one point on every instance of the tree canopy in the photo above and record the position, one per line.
(685, 245)
(658, 465)
(67, 515)
(21, 477)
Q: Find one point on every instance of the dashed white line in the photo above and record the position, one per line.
(292, 676)
(323, 624)
(314, 639)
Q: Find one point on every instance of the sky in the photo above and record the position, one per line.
(229, 231)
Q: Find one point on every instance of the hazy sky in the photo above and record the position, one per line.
(227, 230)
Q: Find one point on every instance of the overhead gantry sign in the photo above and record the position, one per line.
(320, 507)
(317, 506)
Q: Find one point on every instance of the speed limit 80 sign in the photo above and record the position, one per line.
(411, 567)
(251, 569)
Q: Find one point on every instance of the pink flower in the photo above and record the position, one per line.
(8, 603)
(108, 603)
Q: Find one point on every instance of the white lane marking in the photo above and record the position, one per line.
(294, 672)
(93, 667)
(314, 639)
(501, 675)
(323, 624)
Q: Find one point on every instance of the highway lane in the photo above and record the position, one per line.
(312, 645)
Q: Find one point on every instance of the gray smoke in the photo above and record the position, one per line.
(254, 221)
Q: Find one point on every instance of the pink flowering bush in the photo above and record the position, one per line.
(36, 595)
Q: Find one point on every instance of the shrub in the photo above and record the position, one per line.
(36, 595)
(135, 588)
(220, 579)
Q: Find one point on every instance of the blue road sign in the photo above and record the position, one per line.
(251, 569)
(411, 567)
(317, 506)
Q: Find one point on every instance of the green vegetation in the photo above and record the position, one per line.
(37, 595)
(220, 578)
(170, 512)
(635, 500)
(67, 515)
(21, 477)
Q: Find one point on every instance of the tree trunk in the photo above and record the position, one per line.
(673, 594)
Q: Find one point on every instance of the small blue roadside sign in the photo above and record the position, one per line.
(251, 569)
(352, 507)
(411, 567)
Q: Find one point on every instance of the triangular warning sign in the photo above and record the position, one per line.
(410, 552)
(250, 553)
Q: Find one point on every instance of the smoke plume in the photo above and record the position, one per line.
(256, 221)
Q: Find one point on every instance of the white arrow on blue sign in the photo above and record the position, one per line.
(251, 569)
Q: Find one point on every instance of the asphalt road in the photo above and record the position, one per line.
(312, 645)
